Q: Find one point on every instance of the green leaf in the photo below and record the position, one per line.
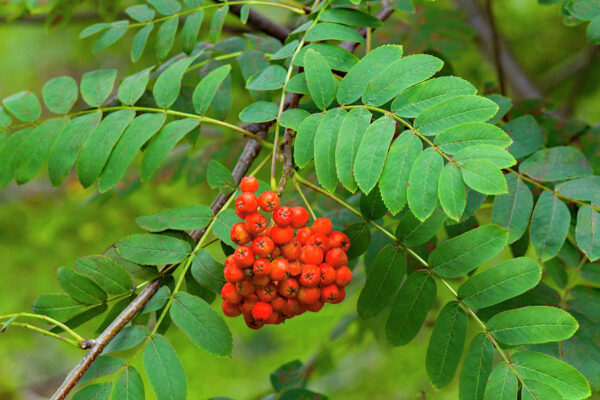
(502, 384)
(67, 145)
(556, 164)
(301, 394)
(96, 86)
(292, 118)
(531, 325)
(216, 24)
(207, 272)
(189, 33)
(319, 79)
(223, 224)
(349, 16)
(476, 368)
(546, 369)
(399, 76)
(593, 31)
(587, 232)
(494, 154)
(350, 135)
(140, 13)
(164, 370)
(549, 225)
(153, 249)
(372, 151)
(413, 101)
(244, 13)
(504, 106)
(110, 36)
(106, 273)
(414, 232)
(97, 391)
(201, 323)
(129, 385)
(139, 132)
(207, 88)
(410, 308)
(261, 111)
(394, 178)
(500, 282)
(127, 338)
(80, 287)
(8, 154)
(5, 119)
(58, 306)
(483, 176)
(325, 141)
(470, 134)
(60, 94)
(23, 105)
(339, 59)
(36, 148)
(96, 150)
(166, 7)
(168, 84)
(356, 80)
(534, 390)
(305, 138)
(585, 10)
(286, 51)
(218, 176)
(584, 189)
(383, 280)
(163, 143)
(133, 87)
(93, 29)
(287, 376)
(332, 31)
(165, 37)
(102, 366)
(455, 111)
(446, 344)
(139, 42)
(371, 205)
(157, 301)
(422, 192)
(526, 134)
(512, 210)
(462, 254)
(270, 78)
(452, 191)
(360, 237)
(180, 218)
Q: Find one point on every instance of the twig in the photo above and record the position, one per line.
(496, 46)
(260, 22)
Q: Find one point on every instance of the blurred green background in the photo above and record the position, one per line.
(42, 228)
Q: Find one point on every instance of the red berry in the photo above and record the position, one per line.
(245, 287)
(339, 240)
(256, 223)
(276, 252)
(229, 293)
(311, 275)
(323, 225)
(233, 274)
(288, 287)
(278, 303)
(282, 216)
(327, 274)
(315, 307)
(299, 217)
(341, 297)
(267, 293)
(261, 267)
(243, 256)
(252, 322)
(308, 295)
(279, 269)
(330, 293)
(262, 246)
(291, 308)
(248, 303)
(241, 214)
(249, 184)
(246, 203)
(261, 281)
(281, 235)
(304, 234)
(343, 276)
(291, 250)
(274, 319)
(230, 261)
(319, 240)
(268, 201)
(311, 255)
(336, 257)
(230, 309)
(239, 234)
(294, 268)
(262, 311)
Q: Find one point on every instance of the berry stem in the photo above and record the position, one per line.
(299, 189)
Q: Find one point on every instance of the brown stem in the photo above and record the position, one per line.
(496, 46)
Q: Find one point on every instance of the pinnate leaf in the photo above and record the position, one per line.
(422, 192)
(168, 84)
(587, 232)
(549, 225)
(476, 368)
(325, 141)
(319, 79)
(129, 385)
(164, 370)
(502, 384)
(350, 135)
(180, 218)
(305, 138)
(60, 94)
(23, 105)
(205, 91)
(513, 209)
(153, 249)
(452, 191)
(96, 86)
(556, 164)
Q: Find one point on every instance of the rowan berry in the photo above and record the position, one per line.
(245, 287)
(336, 257)
(229, 293)
(252, 322)
(288, 287)
(308, 295)
(294, 268)
(243, 257)
(241, 214)
(268, 201)
(319, 240)
(276, 252)
(311, 255)
(339, 240)
(281, 235)
(330, 293)
(246, 203)
(327, 273)
(230, 261)
(267, 293)
(256, 223)
(261, 267)
(261, 281)
(262, 246)
(323, 225)
(304, 234)
(282, 216)
(279, 269)
(311, 275)
(300, 217)
(315, 307)
(230, 309)
(249, 184)
(291, 250)
(341, 296)
(239, 234)
(291, 308)
(274, 319)
(278, 303)
(343, 276)
(262, 311)
(248, 303)
(233, 274)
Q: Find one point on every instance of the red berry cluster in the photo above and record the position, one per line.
(282, 269)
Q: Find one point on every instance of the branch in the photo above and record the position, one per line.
(496, 45)
(262, 23)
